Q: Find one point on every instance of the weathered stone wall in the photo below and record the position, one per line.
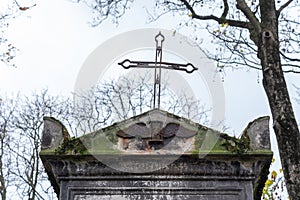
(189, 177)
(193, 161)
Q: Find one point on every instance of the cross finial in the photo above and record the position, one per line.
(158, 65)
(159, 39)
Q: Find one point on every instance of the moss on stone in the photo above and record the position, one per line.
(199, 138)
(236, 145)
(71, 146)
(207, 140)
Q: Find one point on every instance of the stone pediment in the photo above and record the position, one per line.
(158, 149)
(156, 130)
(169, 130)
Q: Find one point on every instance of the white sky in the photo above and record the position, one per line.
(55, 38)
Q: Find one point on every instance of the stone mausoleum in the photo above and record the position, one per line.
(157, 155)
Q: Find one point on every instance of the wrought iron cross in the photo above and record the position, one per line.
(158, 65)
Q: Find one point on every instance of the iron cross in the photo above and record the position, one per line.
(158, 64)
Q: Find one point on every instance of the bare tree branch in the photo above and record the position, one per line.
(241, 4)
(226, 9)
(289, 58)
(283, 7)
(220, 20)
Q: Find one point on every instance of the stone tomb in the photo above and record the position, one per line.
(157, 155)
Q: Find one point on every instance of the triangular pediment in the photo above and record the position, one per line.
(159, 121)
(184, 148)
(152, 130)
(155, 131)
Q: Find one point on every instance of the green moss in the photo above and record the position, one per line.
(112, 137)
(208, 140)
(72, 146)
(199, 138)
(100, 143)
(214, 142)
(236, 145)
(47, 151)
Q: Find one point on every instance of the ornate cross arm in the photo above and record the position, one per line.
(189, 68)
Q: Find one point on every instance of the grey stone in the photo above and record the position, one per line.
(126, 167)
(259, 134)
(53, 134)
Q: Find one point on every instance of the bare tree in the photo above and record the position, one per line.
(121, 99)
(9, 11)
(21, 123)
(7, 111)
(29, 179)
(261, 34)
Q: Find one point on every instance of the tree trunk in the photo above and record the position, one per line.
(2, 176)
(284, 122)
